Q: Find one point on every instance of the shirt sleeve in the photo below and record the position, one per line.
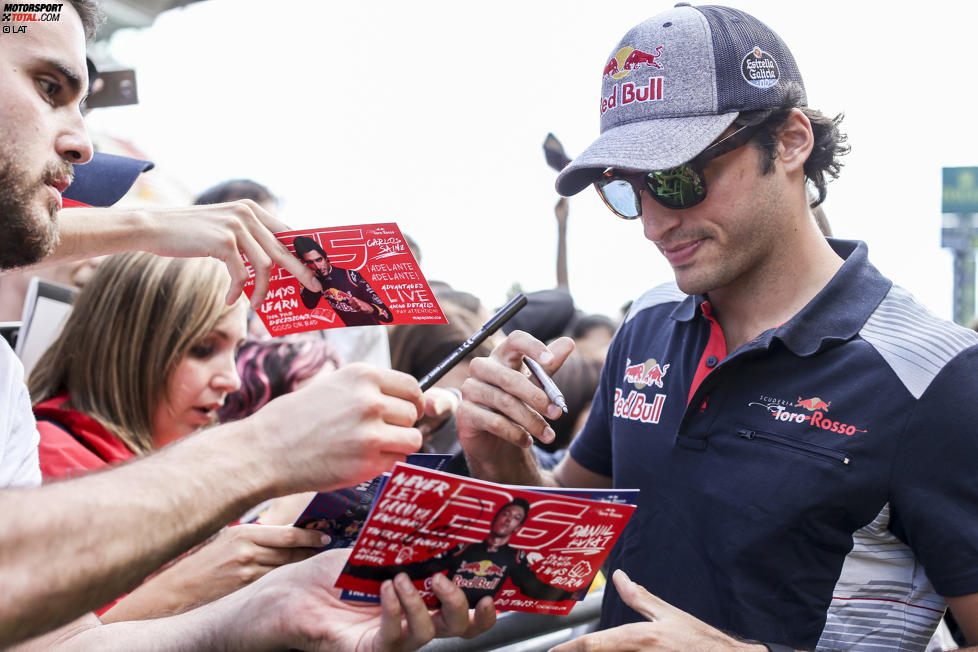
(934, 491)
(592, 446)
(18, 435)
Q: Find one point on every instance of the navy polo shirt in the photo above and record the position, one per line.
(814, 487)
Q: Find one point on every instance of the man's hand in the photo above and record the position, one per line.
(225, 231)
(236, 557)
(222, 231)
(439, 406)
(301, 600)
(294, 606)
(361, 305)
(339, 429)
(503, 405)
(668, 629)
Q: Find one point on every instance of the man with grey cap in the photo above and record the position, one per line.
(792, 418)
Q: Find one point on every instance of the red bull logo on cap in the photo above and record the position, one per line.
(647, 373)
(628, 59)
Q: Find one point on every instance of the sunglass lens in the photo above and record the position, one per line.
(679, 187)
(620, 197)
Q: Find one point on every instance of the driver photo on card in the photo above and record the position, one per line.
(345, 290)
(479, 569)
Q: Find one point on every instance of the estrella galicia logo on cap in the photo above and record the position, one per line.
(759, 69)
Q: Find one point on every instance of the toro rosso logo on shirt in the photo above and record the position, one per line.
(814, 415)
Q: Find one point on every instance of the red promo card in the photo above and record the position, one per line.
(531, 551)
(368, 275)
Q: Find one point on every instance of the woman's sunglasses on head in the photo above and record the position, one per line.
(680, 187)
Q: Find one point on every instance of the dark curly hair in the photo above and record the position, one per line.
(830, 142)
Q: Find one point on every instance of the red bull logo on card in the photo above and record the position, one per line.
(782, 410)
(649, 372)
(482, 568)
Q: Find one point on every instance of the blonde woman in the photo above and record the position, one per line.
(146, 358)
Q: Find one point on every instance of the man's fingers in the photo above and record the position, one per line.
(483, 420)
(484, 619)
(272, 558)
(400, 385)
(398, 412)
(560, 348)
(269, 221)
(390, 617)
(264, 233)
(257, 241)
(453, 618)
(638, 598)
(516, 388)
(632, 637)
(519, 343)
(420, 629)
(386, 444)
(514, 396)
(438, 402)
(281, 536)
(239, 275)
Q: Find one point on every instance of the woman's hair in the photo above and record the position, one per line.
(129, 328)
(272, 367)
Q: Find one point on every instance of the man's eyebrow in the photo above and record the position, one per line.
(72, 78)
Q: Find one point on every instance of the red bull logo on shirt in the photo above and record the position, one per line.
(636, 407)
(649, 372)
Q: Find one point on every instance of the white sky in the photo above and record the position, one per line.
(432, 115)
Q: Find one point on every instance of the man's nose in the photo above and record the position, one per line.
(73, 143)
(657, 220)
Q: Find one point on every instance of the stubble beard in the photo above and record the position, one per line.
(29, 234)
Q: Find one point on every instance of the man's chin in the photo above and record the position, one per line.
(27, 242)
(28, 217)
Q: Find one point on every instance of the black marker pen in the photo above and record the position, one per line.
(478, 338)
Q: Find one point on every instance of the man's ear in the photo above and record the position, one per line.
(796, 141)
